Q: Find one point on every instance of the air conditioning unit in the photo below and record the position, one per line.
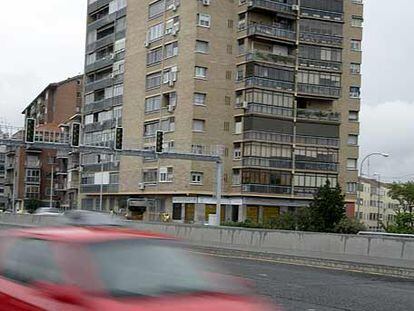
(295, 7)
(206, 2)
(171, 108)
(245, 105)
(174, 7)
(171, 82)
(113, 75)
(174, 31)
(141, 186)
(146, 44)
(112, 56)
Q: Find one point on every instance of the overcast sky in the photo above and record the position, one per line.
(46, 44)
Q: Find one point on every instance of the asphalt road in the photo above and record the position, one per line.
(313, 289)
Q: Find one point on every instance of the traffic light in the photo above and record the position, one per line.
(30, 130)
(119, 136)
(75, 135)
(160, 142)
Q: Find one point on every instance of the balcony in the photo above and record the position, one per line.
(271, 32)
(103, 104)
(318, 115)
(268, 83)
(32, 164)
(96, 167)
(254, 108)
(104, 83)
(306, 192)
(270, 5)
(105, 62)
(315, 38)
(100, 126)
(261, 56)
(267, 162)
(268, 137)
(316, 166)
(320, 64)
(61, 154)
(318, 141)
(94, 5)
(267, 189)
(109, 39)
(319, 90)
(107, 19)
(97, 188)
(319, 14)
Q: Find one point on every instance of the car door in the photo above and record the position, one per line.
(26, 261)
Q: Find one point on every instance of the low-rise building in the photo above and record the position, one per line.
(376, 207)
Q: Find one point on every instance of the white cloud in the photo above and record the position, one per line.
(389, 127)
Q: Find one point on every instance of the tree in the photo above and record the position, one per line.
(32, 205)
(349, 226)
(404, 194)
(326, 210)
(403, 223)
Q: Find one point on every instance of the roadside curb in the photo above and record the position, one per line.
(348, 266)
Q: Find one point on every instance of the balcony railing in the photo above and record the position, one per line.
(320, 64)
(268, 136)
(103, 104)
(104, 61)
(271, 58)
(319, 90)
(97, 188)
(267, 162)
(327, 15)
(319, 141)
(316, 166)
(103, 83)
(267, 189)
(321, 39)
(33, 164)
(268, 83)
(271, 31)
(104, 125)
(271, 5)
(268, 110)
(305, 191)
(318, 115)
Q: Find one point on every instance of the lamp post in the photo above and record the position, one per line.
(378, 199)
(385, 155)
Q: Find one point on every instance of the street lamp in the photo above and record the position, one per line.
(378, 199)
(382, 154)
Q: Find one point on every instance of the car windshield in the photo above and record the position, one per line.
(153, 268)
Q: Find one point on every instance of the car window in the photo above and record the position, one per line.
(30, 260)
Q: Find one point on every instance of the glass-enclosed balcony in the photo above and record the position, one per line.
(271, 5)
(269, 83)
(320, 64)
(271, 32)
(317, 141)
(268, 137)
(321, 14)
(318, 115)
(262, 56)
(267, 189)
(315, 38)
(319, 90)
(270, 110)
(267, 162)
(316, 166)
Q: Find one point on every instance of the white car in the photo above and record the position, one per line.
(47, 211)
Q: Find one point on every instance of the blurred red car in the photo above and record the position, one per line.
(108, 268)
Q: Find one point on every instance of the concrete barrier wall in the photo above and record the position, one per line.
(391, 251)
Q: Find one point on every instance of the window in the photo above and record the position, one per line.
(351, 187)
(200, 99)
(32, 192)
(228, 75)
(172, 26)
(355, 68)
(119, 45)
(156, 8)
(150, 128)
(155, 32)
(355, 45)
(227, 100)
(357, 21)
(171, 49)
(201, 72)
(238, 125)
(154, 56)
(197, 178)
(237, 151)
(166, 174)
(353, 116)
(229, 49)
(203, 20)
(153, 80)
(177, 210)
(352, 140)
(199, 125)
(357, 1)
(118, 90)
(202, 46)
(354, 91)
(168, 125)
(351, 164)
(153, 103)
(236, 178)
(226, 126)
(230, 23)
(33, 175)
(30, 260)
(150, 176)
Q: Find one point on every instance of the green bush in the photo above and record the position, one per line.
(349, 226)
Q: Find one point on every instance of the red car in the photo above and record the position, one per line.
(108, 268)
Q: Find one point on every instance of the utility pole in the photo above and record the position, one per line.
(52, 163)
(101, 186)
(219, 174)
(378, 200)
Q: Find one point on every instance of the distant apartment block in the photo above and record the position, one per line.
(273, 87)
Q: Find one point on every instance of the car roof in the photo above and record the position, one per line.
(83, 234)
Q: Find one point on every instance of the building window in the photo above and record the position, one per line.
(199, 125)
(172, 26)
(154, 56)
(197, 178)
(237, 151)
(153, 103)
(171, 49)
(228, 75)
(153, 80)
(354, 92)
(203, 20)
(155, 32)
(230, 23)
(357, 21)
(229, 49)
(238, 125)
(352, 140)
(156, 8)
(226, 126)
(355, 68)
(150, 176)
(227, 100)
(150, 128)
(357, 1)
(351, 164)
(201, 72)
(202, 46)
(353, 116)
(177, 210)
(236, 178)
(200, 99)
(166, 174)
(356, 45)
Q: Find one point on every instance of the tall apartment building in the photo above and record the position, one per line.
(376, 206)
(272, 86)
(28, 169)
(3, 200)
